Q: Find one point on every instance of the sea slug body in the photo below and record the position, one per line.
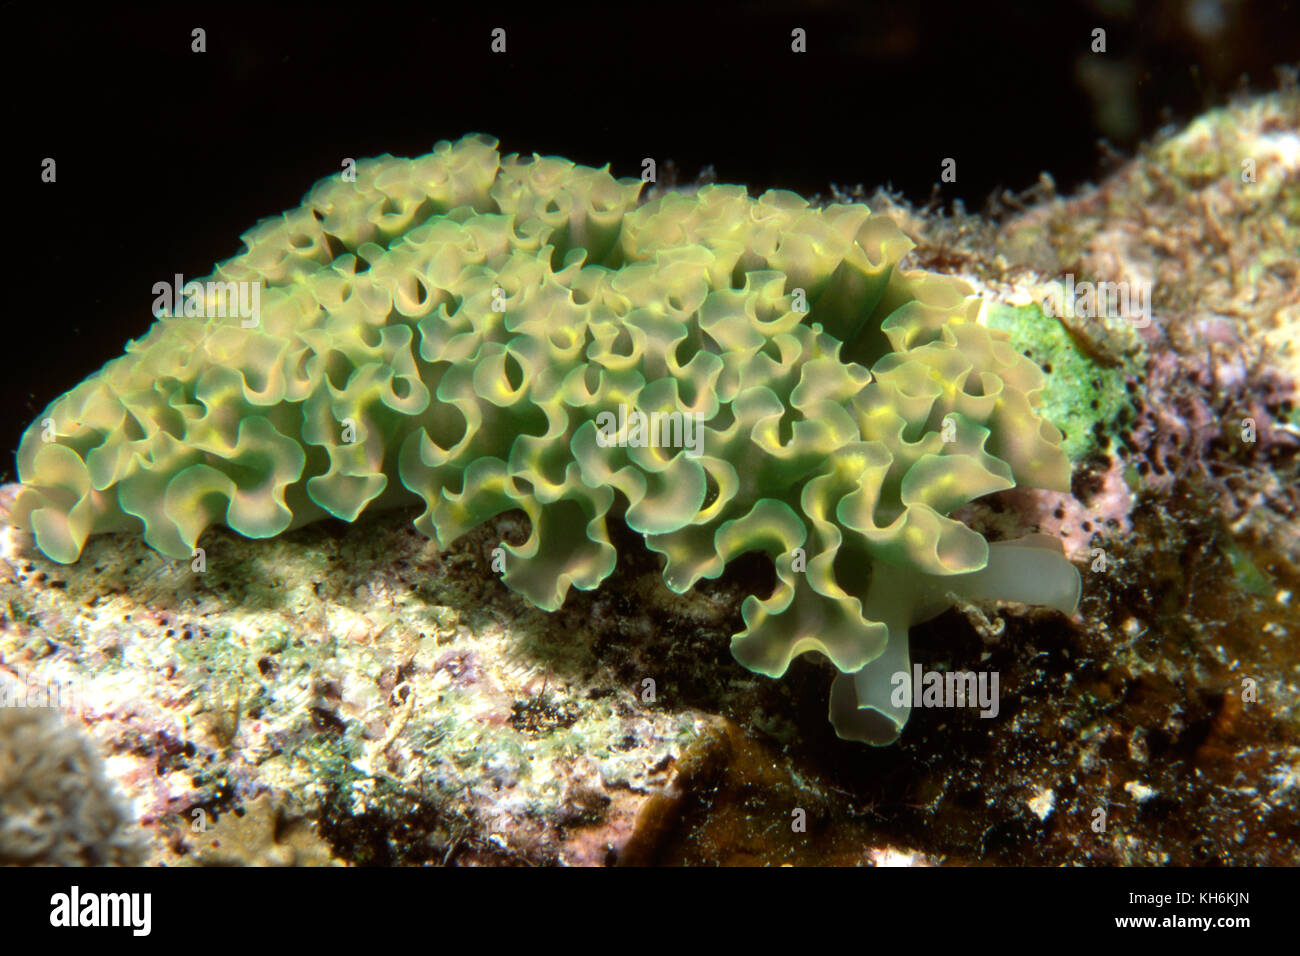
(472, 333)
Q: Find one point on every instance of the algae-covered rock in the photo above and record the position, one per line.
(57, 807)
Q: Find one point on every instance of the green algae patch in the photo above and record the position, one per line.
(1245, 572)
(1083, 398)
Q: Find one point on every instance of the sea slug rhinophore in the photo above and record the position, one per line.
(477, 333)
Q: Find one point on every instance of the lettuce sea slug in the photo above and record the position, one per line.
(474, 333)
